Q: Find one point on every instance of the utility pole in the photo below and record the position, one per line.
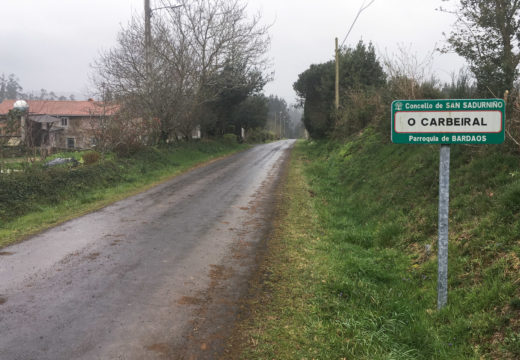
(147, 36)
(280, 118)
(284, 127)
(275, 126)
(337, 76)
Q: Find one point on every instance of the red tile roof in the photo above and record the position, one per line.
(59, 108)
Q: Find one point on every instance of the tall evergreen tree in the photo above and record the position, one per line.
(359, 69)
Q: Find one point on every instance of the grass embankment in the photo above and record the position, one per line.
(349, 274)
(37, 198)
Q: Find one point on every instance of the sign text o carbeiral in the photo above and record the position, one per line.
(449, 122)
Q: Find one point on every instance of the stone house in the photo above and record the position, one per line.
(55, 124)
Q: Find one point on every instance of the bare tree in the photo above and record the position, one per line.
(120, 74)
(113, 129)
(410, 77)
(192, 45)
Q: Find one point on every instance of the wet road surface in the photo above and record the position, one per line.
(155, 276)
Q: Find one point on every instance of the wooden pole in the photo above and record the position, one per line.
(275, 125)
(337, 76)
(283, 128)
(147, 35)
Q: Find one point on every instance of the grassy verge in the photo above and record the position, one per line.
(44, 198)
(351, 270)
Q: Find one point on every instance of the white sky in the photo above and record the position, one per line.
(51, 43)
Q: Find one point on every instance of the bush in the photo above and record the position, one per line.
(22, 191)
(361, 108)
(91, 157)
(259, 135)
(229, 138)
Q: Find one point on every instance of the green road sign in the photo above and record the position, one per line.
(470, 121)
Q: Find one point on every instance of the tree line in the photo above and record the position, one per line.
(485, 34)
(10, 88)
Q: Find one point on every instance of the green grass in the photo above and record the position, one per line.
(350, 276)
(90, 188)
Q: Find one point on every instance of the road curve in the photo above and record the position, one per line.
(155, 276)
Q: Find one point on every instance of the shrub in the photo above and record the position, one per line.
(20, 192)
(91, 157)
(259, 135)
(229, 138)
(361, 108)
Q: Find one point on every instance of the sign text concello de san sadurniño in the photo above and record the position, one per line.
(472, 121)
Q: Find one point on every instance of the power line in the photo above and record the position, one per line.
(361, 9)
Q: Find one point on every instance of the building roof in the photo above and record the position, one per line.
(61, 108)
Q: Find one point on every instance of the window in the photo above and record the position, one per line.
(70, 143)
(64, 121)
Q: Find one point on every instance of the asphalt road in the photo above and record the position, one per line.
(155, 276)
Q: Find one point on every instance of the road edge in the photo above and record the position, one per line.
(101, 204)
(237, 341)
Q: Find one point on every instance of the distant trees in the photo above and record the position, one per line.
(486, 34)
(9, 87)
(360, 70)
(229, 90)
(278, 115)
(251, 113)
(207, 57)
(46, 95)
(462, 86)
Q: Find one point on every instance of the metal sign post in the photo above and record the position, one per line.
(444, 210)
(445, 122)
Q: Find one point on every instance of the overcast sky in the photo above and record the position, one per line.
(51, 43)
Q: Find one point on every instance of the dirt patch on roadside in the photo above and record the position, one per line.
(224, 303)
(219, 273)
(236, 342)
(6, 253)
(189, 300)
(92, 256)
(162, 349)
